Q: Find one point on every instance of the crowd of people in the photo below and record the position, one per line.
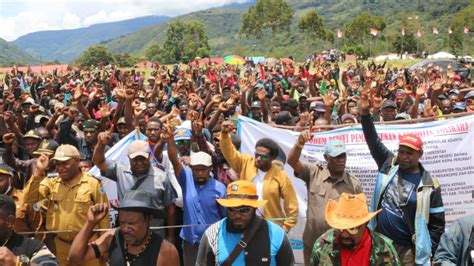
(208, 203)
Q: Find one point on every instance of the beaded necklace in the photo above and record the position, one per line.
(129, 260)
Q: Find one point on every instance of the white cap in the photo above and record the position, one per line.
(138, 148)
(201, 158)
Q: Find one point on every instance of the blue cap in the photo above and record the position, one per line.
(469, 95)
(334, 148)
(459, 106)
(182, 134)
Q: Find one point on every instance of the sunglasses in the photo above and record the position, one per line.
(184, 141)
(262, 156)
(242, 209)
(351, 231)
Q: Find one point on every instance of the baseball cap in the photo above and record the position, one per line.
(459, 106)
(454, 91)
(121, 121)
(256, 104)
(317, 106)
(402, 116)
(47, 146)
(200, 158)
(469, 95)
(38, 118)
(138, 148)
(65, 152)
(90, 125)
(6, 169)
(345, 117)
(411, 141)
(182, 134)
(389, 104)
(31, 134)
(334, 148)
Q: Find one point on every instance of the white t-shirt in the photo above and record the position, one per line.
(258, 182)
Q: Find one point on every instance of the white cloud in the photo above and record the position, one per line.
(25, 16)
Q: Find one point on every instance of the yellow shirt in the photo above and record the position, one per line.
(67, 207)
(276, 185)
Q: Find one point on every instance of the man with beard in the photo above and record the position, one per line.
(350, 241)
(273, 184)
(324, 182)
(244, 238)
(140, 174)
(133, 243)
(221, 169)
(200, 192)
(413, 214)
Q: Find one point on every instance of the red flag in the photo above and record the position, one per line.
(435, 31)
(466, 30)
(418, 33)
(339, 33)
(450, 31)
(403, 32)
(374, 32)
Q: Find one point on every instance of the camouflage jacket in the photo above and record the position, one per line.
(327, 252)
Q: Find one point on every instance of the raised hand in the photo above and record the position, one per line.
(42, 163)
(105, 111)
(197, 127)
(261, 94)
(364, 102)
(167, 132)
(217, 98)
(105, 137)
(305, 136)
(8, 138)
(97, 212)
(227, 127)
(77, 93)
(223, 107)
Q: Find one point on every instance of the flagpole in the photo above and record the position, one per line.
(402, 52)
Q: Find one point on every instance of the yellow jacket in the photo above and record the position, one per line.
(276, 185)
(67, 206)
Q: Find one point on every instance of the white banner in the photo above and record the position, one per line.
(448, 156)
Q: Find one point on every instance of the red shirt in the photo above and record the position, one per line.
(360, 255)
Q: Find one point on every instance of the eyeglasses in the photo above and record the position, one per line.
(351, 231)
(262, 156)
(183, 141)
(242, 209)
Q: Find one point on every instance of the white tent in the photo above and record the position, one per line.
(441, 55)
(387, 57)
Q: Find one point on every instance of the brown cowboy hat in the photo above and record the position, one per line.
(350, 211)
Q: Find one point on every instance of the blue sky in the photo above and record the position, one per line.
(19, 17)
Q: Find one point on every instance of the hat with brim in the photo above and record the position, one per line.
(241, 193)
(6, 169)
(350, 211)
(139, 201)
(66, 152)
(47, 146)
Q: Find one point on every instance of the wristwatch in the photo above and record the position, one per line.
(23, 260)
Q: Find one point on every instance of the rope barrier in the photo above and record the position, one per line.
(151, 227)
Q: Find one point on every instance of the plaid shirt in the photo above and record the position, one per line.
(327, 252)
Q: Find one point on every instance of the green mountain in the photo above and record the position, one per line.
(65, 45)
(223, 24)
(12, 55)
